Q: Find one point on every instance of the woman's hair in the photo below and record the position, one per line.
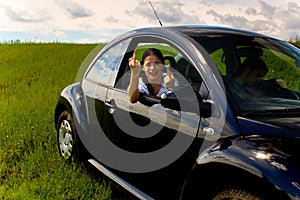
(256, 63)
(252, 64)
(153, 51)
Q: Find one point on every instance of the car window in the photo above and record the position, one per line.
(217, 57)
(124, 72)
(104, 70)
(275, 91)
(279, 88)
(167, 51)
(185, 74)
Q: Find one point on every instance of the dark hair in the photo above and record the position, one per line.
(256, 63)
(153, 51)
(252, 64)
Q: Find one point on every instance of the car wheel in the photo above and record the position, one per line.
(67, 137)
(236, 194)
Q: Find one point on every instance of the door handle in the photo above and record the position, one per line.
(111, 106)
(209, 131)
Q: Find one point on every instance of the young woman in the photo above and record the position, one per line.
(154, 83)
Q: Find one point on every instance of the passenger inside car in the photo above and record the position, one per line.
(246, 83)
(154, 83)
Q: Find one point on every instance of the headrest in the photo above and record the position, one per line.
(249, 52)
(171, 60)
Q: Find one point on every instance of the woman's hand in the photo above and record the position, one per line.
(169, 79)
(133, 62)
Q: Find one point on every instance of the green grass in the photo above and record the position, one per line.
(31, 79)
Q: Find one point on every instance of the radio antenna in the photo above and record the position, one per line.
(155, 13)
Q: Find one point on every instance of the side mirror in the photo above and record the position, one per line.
(182, 100)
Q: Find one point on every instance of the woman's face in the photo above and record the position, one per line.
(254, 76)
(153, 69)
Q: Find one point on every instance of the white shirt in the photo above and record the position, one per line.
(143, 88)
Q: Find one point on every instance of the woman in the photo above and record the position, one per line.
(154, 83)
(248, 83)
(243, 83)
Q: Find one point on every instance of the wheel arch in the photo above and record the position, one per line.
(61, 106)
(72, 100)
(199, 181)
(239, 161)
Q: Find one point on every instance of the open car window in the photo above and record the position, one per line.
(124, 73)
(184, 72)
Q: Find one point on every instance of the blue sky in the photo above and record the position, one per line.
(94, 21)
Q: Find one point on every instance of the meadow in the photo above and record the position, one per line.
(31, 79)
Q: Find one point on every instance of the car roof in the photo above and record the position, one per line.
(193, 30)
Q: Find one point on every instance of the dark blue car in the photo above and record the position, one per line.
(196, 140)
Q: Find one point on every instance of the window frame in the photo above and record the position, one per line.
(113, 65)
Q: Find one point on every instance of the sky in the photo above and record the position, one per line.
(96, 21)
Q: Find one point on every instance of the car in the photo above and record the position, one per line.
(195, 141)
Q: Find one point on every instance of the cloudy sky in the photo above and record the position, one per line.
(91, 21)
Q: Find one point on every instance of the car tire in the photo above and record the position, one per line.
(67, 138)
(238, 194)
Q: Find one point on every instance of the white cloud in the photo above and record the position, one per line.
(111, 19)
(60, 17)
(170, 12)
(267, 10)
(58, 34)
(25, 16)
(251, 11)
(269, 17)
(73, 9)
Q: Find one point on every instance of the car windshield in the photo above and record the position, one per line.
(260, 74)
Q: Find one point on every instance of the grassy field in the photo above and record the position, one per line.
(31, 79)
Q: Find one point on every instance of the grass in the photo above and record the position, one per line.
(31, 79)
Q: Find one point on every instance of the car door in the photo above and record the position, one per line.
(156, 141)
(100, 76)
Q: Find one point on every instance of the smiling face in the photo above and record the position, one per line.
(153, 69)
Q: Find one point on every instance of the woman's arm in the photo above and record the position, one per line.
(133, 91)
(135, 67)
